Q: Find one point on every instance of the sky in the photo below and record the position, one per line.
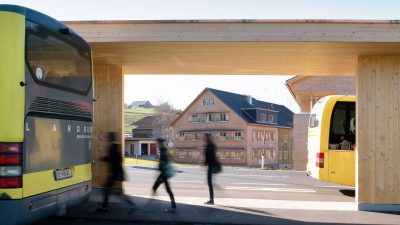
(181, 90)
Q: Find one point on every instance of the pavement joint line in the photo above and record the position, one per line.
(294, 190)
(260, 184)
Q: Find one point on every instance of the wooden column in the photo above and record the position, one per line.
(378, 133)
(108, 115)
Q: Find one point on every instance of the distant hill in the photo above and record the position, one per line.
(133, 115)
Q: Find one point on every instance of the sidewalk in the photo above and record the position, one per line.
(190, 210)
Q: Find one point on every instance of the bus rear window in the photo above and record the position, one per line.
(55, 60)
(342, 134)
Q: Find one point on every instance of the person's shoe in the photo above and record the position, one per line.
(210, 202)
(170, 210)
(101, 210)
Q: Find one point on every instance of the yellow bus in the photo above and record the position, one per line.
(46, 110)
(332, 140)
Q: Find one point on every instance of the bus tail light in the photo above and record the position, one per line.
(10, 165)
(10, 148)
(14, 159)
(10, 182)
(320, 160)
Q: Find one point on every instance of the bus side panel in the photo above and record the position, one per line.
(342, 167)
(12, 45)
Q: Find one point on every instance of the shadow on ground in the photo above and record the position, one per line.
(151, 211)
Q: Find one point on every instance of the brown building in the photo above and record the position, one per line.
(306, 91)
(243, 129)
(143, 142)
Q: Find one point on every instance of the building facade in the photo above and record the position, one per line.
(143, 142)
(243, 128)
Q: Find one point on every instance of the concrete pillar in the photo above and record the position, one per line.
(378, 133)
(108, 116)
(300, 137)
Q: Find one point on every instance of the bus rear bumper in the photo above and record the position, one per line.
(34, 208)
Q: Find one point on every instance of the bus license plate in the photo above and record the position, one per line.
(62, 174)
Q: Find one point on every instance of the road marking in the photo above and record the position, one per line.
(186, 181)
(267, 184)
(260, 203)
(332, 186)
(251, 175)
(141, 171)
(270, 189)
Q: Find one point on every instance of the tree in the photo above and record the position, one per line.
(166, 115)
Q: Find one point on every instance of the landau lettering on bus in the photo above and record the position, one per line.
(79, 129)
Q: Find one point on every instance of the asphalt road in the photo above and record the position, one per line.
(283, 194)
(191, 181)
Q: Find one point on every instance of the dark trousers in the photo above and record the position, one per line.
(106, 192)
(162, 179)
(210, 185)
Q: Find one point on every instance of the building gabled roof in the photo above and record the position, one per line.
(238, 103)
(154, 122)
(137, 104)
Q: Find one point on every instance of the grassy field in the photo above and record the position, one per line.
(133, 115)
(133, 161)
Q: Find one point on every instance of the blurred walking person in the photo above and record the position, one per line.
(213, 165)
(166, 172)
(115, 170)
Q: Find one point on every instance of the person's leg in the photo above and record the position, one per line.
(171, 195)
(157, 183)
(106, 192)
(210, 186)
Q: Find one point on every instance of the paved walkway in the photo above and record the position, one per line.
(190, 210)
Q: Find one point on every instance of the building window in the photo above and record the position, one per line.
(256, 154)
(223, 136)
(195, 155)
(270, 118)
(263, 117)
(182, 154)
(209, 118)
(181, 136)
(285, 155)
(285, 138)
(271, 154)
(223, 117)
(208, 101)
(239, 135)
(271, 136)
(238, 155)
(194, 118)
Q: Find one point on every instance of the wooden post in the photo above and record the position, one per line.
(378, 129)
(108, 116)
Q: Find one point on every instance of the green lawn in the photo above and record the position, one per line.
(133, 115)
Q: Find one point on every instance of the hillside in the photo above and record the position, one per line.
(133, 115)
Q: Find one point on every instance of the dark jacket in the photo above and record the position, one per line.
(211, 158)
(163, 159)
(114, 158)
